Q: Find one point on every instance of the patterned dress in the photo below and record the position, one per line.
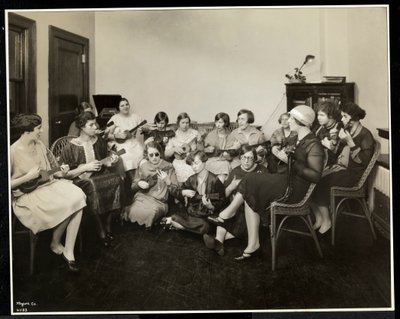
(46, 206)
(102, 188)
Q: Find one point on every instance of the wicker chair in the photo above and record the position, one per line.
(59, 144)
(300, 210)
(358, 193)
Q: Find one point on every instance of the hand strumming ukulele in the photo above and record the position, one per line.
(87, 175)
(132, 131)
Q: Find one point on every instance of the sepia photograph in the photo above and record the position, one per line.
(199, 159)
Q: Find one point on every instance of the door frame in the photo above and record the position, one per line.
(55, 33)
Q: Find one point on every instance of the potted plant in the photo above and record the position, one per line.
(298, 76)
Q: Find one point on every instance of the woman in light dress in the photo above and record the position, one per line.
(46, 206)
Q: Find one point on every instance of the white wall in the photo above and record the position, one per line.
(81, 23)
(368, 52)
(204, 61)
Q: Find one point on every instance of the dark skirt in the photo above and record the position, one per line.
(345, 178)
(259, 190)
(197, 225)
(102, 190)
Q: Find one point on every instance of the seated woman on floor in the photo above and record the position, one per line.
(202, 195)
(361, 146)
(244, 134)
(282, 139)
(82, 107)
(151, 186)
(186, 140)
(234, 227)
(257, 191)
(214, 142)
(159, 133)
(47, 205)
(86, 155)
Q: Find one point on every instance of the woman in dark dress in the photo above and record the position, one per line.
(235, 227)
(202, 194)
(328, 115)
(361, 144)
(101, 185)
(257, 191)
(159, 132)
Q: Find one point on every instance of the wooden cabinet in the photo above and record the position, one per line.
(312, 93)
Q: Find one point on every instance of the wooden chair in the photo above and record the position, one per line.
(19, 229)
(357, 193)
(301, 210)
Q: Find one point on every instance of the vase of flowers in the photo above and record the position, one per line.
(297, 77)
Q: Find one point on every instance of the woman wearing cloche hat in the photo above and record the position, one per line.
(257, 191)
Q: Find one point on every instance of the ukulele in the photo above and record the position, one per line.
(44, 176)
(186, 146)
(87, 175)
(198, 197)
(131, 131)
(152, 180)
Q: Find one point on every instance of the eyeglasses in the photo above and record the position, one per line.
(154, 154)
(247, 158)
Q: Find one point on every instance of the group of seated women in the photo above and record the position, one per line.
(184, 178)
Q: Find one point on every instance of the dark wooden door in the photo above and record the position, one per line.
(68, 78)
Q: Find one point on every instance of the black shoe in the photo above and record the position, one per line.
(246, 256)
(216, 220)
(106, 242)
(214, 244)
(71, 264)
(110, 236)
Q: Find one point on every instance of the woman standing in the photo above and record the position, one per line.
(361, 145)
(202, 195)
(186, 140)
(244, 134)
(86, 155)
(234, 227)
(214, 142)
(152, 181)
(120, 138)
(46, 206)
(257, 191)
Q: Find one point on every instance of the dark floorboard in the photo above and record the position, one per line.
(163, 270)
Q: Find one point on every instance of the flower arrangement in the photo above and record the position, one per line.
(297, 76)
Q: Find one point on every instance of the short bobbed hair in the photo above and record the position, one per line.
(182, 116)
(224, 117)
(282, 115)
(151, 145)
(200, 154)
(161, 116)
(82, 119)
(330, 108)
(122, 99)
(250, 115)
(24, 122)
(356, 112)
(248, 148)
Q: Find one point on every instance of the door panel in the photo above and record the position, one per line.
(68, 79)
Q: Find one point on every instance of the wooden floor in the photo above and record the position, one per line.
(161, 270)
